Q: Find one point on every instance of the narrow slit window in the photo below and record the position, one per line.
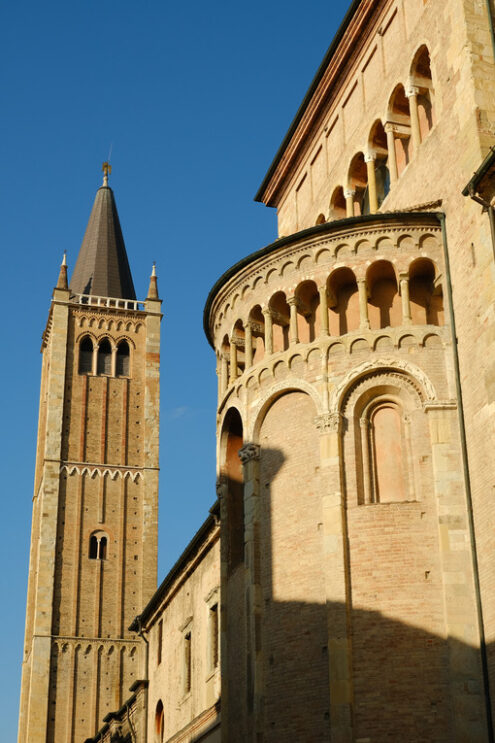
(123, 359)
(159, 643)
(187, 663)
(213, 614)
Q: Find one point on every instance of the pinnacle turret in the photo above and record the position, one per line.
(62, 277)
(153, 287)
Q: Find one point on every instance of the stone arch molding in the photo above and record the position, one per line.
(256, 419)
(101, 472)
(416, 375)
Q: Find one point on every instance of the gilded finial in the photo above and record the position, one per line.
(107, 169)
(153, 270)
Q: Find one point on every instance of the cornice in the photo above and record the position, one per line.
(347, 42)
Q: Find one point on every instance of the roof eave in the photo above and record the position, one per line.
(307, 98)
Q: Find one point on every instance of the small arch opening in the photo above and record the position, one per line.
(239, 340)
(280, 313)
(98, 546)
(425, 298)
(320, 219)
(384, 304)
(343, 302)
(308, 319)
(159, 722)
(257, 322)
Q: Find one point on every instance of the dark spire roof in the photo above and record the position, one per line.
(102, 267)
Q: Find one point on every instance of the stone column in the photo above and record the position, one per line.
(293, 334)
(369, 159)
(367, 469)
(392, 157)
(268, 331)
(233, 361)
(412, 95)
(336, 579)
(224, 373)
(349, 201)
(406, 305)
(363, 304)
(248, 348)
(323, 309)
(249, 456)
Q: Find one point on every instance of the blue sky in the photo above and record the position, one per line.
(194, 100)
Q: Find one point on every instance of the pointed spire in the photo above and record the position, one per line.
(62, 277)
(153, 287)
(102, 267)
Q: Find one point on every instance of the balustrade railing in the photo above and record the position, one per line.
(114, 302)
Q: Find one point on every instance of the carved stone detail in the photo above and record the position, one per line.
(328, 422)
(249, 452)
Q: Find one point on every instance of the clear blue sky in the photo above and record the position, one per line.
(195, 99)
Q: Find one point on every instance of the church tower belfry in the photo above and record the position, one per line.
(93, 556)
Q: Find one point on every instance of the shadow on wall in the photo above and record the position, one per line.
(285, 631)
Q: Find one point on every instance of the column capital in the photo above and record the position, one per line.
(292, 301)
(370, 156)
(221, 486)
(349, 193)
(403, 276)
(329, 422)
(249, 452)
(411, 89)
(266, 311)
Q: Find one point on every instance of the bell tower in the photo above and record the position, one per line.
(93, 557)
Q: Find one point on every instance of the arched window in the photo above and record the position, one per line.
(320, 219)
(421, 80)
(232, 441)
(104, 365)
(123, 359)
(384, 448)
(98, 546)
(378, 146)
(86, 355)
(358, 182)
(400, 118)
(159, 722)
